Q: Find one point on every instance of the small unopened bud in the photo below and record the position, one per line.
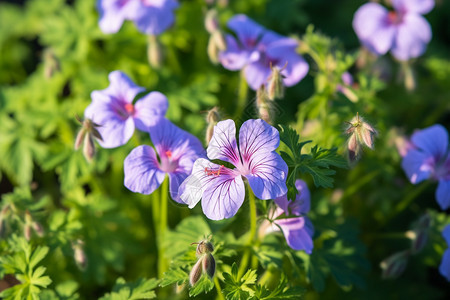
(196, 271)
(204, 247)
(212, 118)
(51, 63)
(419, 234)
(154, 52)
(209, 265)
(216, 44)
(79, 255)
(409, 77)
(88, 147)
(27, 231)
(263, 104)
(37, 227)
(211, 21)
(361, 133)
(275, 86)
(80, 138)
(393, 266)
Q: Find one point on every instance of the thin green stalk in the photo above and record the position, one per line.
(162, 261)
(242, 96)
(219, 290)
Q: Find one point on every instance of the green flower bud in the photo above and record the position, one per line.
(275, 86)
(154, 52)
(209, 265)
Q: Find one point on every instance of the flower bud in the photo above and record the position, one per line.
(263, 104)
(216, 44)
(419, 234)
(2, 227)
(79, 255)
(361, 133)
(212, 118)
(154, 52)
(393, 266)
(275, 86)
(27, 231)
(37, 227)
(196, 271)
(88, 147)
(211, 21)
(209, 265)
(80, 138)
(51, 63)
(204, 247)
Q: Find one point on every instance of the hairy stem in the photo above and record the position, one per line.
(162, 261)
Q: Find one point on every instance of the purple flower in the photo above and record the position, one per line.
(298, 230)
(222, 189)
(444, 268)
(403, 31)
(113, 109)
(150, 16)
(257, 49)
(176, 151)
(429, 158)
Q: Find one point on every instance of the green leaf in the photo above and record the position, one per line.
(236, 288)
(204, 285)
(174, 276)
(37, 256)
(140, 289)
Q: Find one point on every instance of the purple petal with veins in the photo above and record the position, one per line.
(223, 143)
(142, 173)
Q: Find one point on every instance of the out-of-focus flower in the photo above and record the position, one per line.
(403, 31)
(150, 16)
(257, 49)
(430, 159)
(176, 151)
(113, 110)
(345, 87)
(222, 189)
(297, 228)
(444, 268)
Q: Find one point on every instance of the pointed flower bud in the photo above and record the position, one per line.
(275, 86)
(395, 265)
(211, 21)
(154, 52)
(263, 104)
(27, 231)
(79, 255)
(212, 118)
(51, 63)
(37, 227)
(196, 271)
(209, 265)
(419, 234)
(361, 133)
(86, 137)
(216, 44)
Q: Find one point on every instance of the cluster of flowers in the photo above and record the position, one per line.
(182, 157)
(427, 156)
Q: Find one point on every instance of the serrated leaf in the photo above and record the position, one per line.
(174, 276)
(37, 256)
(204, 285)
(140, 289)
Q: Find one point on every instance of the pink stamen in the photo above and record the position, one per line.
(129, 108)
(169, 154)
(210, 172)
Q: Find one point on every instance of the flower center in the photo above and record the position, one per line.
(212, 172)
(442, 170)
(168, 164)
(394, 17)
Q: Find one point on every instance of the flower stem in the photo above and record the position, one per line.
(219, 290)
(162, 262)
(242, 96)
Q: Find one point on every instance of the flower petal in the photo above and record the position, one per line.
(257, 73)
(372, 28)
(284, 51)
(149, 109)
(298, 233)
(154, 19)
(418, 6)
(444, 267)
(223, 144)
(443, 194)
(256, 136)
(234, 57)
(268, 175)
(176, 179)
(417, 165)
(301, 205)
(223, 197)
(446, 234)
(432, 140)
(412, 37)
(142, 174)
(122, 87)
(247, 30)
(113, 13)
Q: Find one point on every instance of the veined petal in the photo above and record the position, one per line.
(223, 144)
(142, 174)
(256, 136)
(121, 87)
(223, 196)
(301, 205)
(247, 30)
(267, 177)
(149, 109)
(175, 181)
(443, 194)
(417, 165)
(234, 57)
(413, 35)
(444, 267)
(432, 140)
(417, 6)
(298, 233)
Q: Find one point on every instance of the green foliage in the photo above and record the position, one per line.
(23, 264)
(239, 288)
(317, 163)
(204, 285)
(140, 289)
